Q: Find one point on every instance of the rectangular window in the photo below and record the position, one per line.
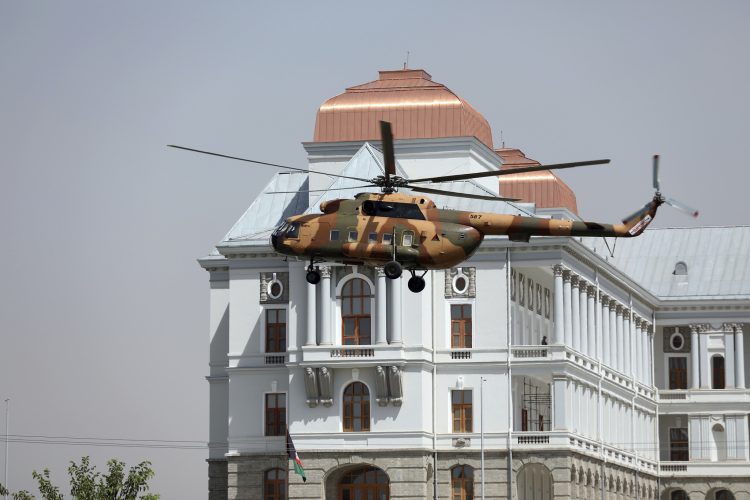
(275, 330)
(373, 238)
(678, 444)
(388, 239)
(678, 373)
(407, 239)
(275, 414)
(460, 326)
(352, 236)
(462, 415)
(334, 235)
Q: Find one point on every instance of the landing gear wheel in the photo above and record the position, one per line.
(313, 276)
(416, 284)
(392, 270)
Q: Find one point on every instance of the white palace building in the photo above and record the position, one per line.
(542, 370)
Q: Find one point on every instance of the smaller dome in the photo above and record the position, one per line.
(543, 188)
(417, 108)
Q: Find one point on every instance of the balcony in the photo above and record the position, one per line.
(354, 355)
(696, 400)
(705, 469)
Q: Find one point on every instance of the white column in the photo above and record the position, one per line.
(640, 354)
(312, 317)
(628, 336)
(559, 316)
(695, 370)
(583, 287)
(620, 340)
(739, 357)
(326, 327)
(560, 402)
(613, 341)
(575, 312)
(704, 360)
(645, 362)
(567, 309)
(605, 340)
(591, 322)
(650, 356)
(729, 356)
(395, 310)
(381, 321)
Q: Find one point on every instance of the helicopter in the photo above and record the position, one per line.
(408, 231)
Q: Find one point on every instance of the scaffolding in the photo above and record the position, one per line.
(535, 407)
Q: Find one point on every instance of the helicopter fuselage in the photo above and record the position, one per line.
(377, 228)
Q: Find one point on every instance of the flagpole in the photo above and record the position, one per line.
(7, 424)
(481, 427)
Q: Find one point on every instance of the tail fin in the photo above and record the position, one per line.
(635, 223)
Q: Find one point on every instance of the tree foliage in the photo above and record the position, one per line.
(86, 483)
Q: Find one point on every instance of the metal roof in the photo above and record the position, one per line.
(268, 210)
(717, 260)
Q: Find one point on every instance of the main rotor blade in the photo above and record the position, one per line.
(520, 170)
(458, 195)
(388, 157)
(266, 163)
(320, 190)
(681, 207)
(656, 172)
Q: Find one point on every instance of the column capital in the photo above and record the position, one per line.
(566, 275)
(637, 320)
(325, 271)
(574, 278)
(738, 328)
(380, 272)
(558, 270)
(626, 312)
(591, 290)
(604, 299)
(619, 308)
(693, 328)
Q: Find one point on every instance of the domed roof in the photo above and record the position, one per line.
(417, 108)
(543, 188)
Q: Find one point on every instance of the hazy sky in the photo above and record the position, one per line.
(103, 308)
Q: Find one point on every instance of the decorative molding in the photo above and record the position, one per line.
(269, 282)
(394, 384)
(325, 272)
(469, 274)
(325, 381)
(558, 270)
(381, 386)
(311, 387)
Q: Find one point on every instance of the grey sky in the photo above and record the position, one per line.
(103, 309)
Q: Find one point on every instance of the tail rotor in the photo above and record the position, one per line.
(669, 201)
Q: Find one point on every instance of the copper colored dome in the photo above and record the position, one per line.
(543, 188)
(417, 108)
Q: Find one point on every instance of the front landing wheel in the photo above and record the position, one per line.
(392, 270)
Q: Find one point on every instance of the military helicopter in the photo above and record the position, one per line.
(397, 230)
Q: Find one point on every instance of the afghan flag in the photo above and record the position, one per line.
(292, 454)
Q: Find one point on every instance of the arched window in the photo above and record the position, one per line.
(368, 483)
(462, 482)
(356, 408)
(717, 372)
(355, 313)
(534, 482)
(274, 484)
(678, 495)
(724, 495)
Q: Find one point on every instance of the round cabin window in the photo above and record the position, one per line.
(275, 289)
(676, 341)
(460, 284)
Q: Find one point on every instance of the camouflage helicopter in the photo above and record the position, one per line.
(396, 230)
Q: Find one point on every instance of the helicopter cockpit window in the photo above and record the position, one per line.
(387, 239)
(407, 239)
(352, 236)
(293, 230)
(392, 209)
(334, 235)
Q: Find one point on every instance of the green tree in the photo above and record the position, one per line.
(88, 484)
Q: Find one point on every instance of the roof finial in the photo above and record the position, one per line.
(502, 141)
(406, 63)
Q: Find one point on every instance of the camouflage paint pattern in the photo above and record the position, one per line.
(444, 239)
